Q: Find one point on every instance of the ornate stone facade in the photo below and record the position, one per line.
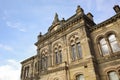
(77, 49)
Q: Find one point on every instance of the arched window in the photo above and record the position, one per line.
(26, 72)
(109, 44)
(80, 77)
(113, 75)
(73, 48)
(79, 50)
(36, 66)
(114, 43)
(76, 49)
(58, 54)
(104, 46)
(44, 62)
(56, 57)
(49, 60)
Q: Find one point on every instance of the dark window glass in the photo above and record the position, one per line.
(60, 57)
(79, 50)
(57, 57)
(73, 52)
(44, 62)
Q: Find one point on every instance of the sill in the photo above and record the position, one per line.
(77, 59)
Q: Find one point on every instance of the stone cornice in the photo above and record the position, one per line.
(106, 22)
(56, 38)
(68, 23)
(29, 59)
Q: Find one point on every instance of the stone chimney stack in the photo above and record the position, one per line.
(90, 16)
(116, 8)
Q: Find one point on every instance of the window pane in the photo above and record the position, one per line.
(112, 38)
(102, 41)
(42, 65)
(114, 44)
(45, 63)
(56, 56)
(105, 49)
(113, 75)
(60, 57)
(73, 52)
(79, 50)
(104, 46)
(80, 77)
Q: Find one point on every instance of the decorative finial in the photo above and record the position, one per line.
(56, 19)
(63, 19)
(79, 10)
(40, 35)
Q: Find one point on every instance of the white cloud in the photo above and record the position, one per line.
(10, 71)
(6, 47)
(16, 25)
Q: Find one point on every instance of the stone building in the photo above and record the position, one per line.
(77, 49)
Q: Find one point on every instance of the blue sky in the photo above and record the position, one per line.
(22, 20)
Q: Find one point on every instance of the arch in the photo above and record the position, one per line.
(98, 38)
(57, 50)
(73, 34)
(110, 32)
(58, 43)
(44, 51)
(78, 76)
(106, 70)
(71, 37)
(78, 73)
(56, 78)
(112, 75)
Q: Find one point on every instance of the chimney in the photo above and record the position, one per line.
(116, 8)
(90, 16)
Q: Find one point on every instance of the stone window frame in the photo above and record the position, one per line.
(36, 66)
(26, 72)
(44, 56)
(75, 40)
(57, 50)
(78, 74)
(110, 72)
(117, 70)
(106, 36)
